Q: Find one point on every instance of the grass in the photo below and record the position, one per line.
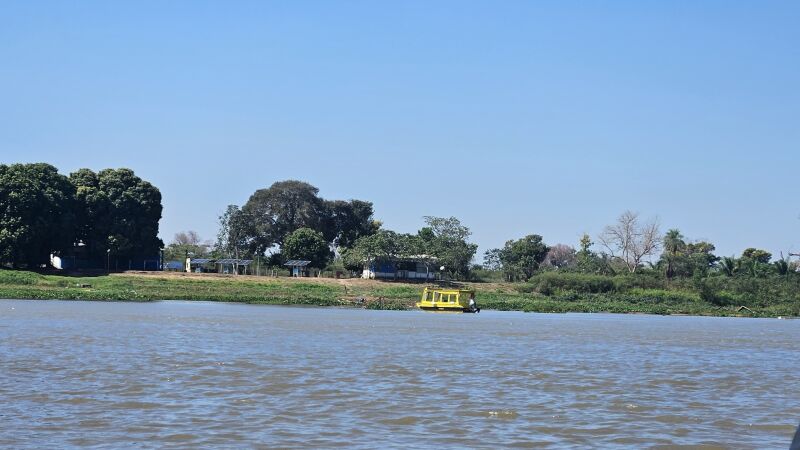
(547, 293)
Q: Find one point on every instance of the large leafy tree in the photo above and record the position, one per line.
(446, 239)
(346, 221)
(755, 261)
(118, 212)
(384, 245)
(682, 259)
(93, 213)
(309, 245)
(286, 206)
(282, 208)
(522, 257)
(36, 213)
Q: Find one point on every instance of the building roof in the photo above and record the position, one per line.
(201, 260)
(297, 263)
(241, 262)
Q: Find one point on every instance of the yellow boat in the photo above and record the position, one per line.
(447, 299)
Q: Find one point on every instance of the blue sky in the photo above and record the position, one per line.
(517, 117)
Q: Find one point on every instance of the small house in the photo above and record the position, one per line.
(412, 268)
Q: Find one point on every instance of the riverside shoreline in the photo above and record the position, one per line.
(357, 293)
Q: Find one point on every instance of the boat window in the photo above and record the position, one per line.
(436, 296)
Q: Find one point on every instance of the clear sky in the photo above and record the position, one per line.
(517, 117)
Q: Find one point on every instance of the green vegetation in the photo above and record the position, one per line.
(92, 216)
(548, 292)
(113, 213)
(26, 285)
(307, 244)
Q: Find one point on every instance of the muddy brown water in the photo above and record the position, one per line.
(215, 375)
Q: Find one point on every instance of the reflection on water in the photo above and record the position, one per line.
(190, 374)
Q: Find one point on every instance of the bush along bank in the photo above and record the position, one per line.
(547, 293)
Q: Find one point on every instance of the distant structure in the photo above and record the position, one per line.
(298, 267)
(411, 268)
(225, 265)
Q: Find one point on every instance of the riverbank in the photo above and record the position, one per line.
(149, 286)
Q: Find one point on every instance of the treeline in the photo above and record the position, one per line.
(289, 221)
(94, 213)
(631, 246)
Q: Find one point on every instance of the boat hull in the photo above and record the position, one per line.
(455, 309)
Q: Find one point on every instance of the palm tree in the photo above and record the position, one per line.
(729, 265)
(673, 246)
(782, 267)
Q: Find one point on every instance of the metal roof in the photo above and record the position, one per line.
(201, 260)
(241, 262)
(297, 263)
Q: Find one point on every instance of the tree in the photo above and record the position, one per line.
(757, 255)
(232, 237)
(674, 246)
(36, 213)
(385, 245)
(560, 256)
(756, 261)
(289, 205)
(588, 261)
(284, 207)
(446, 240)
(92, 213)
(492, 260)
(782, 267)
(186, 243)
(118, 211)
(308, 245)
(700, 258)
(729, 266)
(631, 241)
(347, 221)
(521, 258)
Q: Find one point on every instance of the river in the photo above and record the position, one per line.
(180, 374)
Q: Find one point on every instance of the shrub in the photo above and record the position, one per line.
(19, 277)
(551, 282)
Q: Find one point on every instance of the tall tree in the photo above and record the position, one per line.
(346, 221)
(631, 241)
(118, 211)
(282, 208)
(232, 237)
(36, 213)
(491, 259)
(674, 246)
(521, 258)
(447, 240)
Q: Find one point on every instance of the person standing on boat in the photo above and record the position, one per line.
(472, 306)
